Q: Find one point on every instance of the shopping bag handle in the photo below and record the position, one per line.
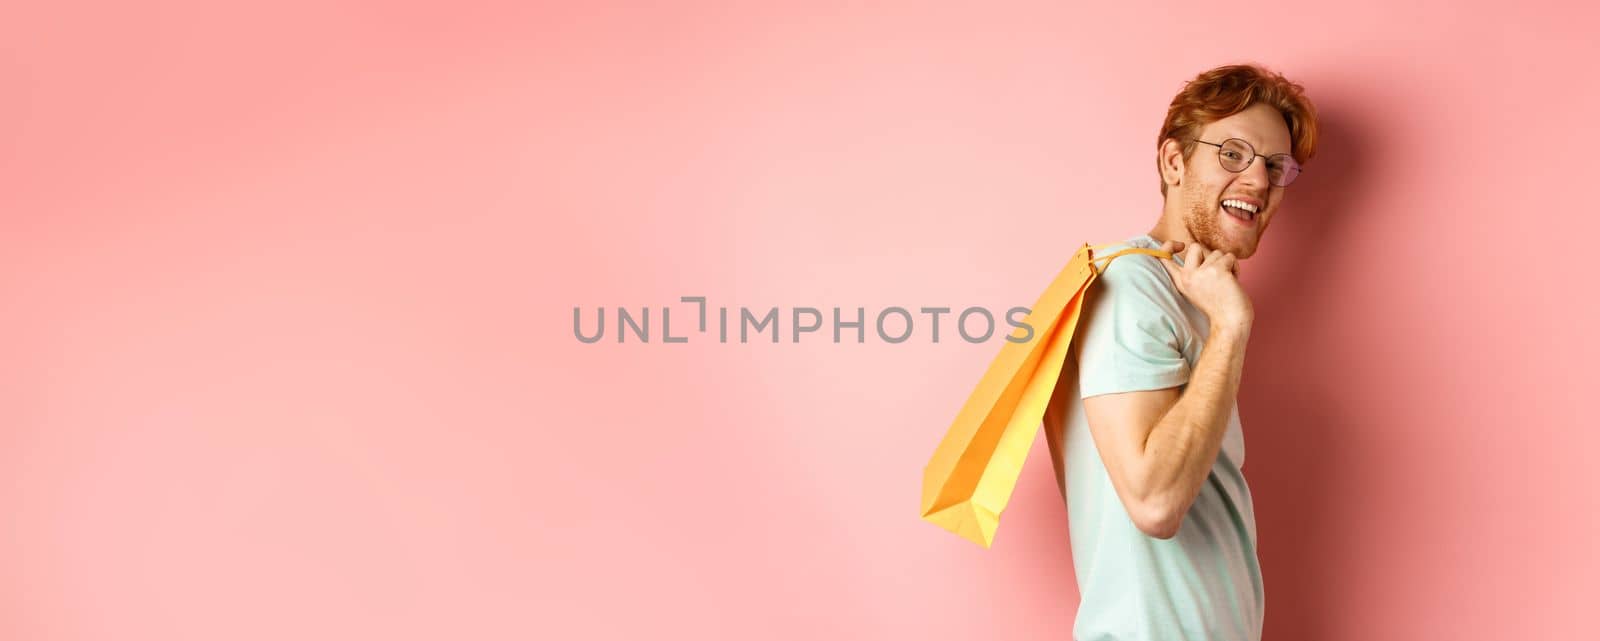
(1108, 257)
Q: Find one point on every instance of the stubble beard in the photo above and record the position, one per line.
(1203, 225)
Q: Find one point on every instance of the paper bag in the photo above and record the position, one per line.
(969, 480)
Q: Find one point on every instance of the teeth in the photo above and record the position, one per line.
(1239, 204)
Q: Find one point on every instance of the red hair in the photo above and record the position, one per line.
(1227, 90)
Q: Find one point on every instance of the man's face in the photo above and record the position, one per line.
(1206, 183)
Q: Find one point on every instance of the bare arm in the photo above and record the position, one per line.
(1158, 446)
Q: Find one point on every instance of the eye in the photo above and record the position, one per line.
(1231, 154)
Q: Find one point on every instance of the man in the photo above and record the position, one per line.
(1146, 437)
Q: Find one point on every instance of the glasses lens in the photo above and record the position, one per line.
(1235, 154)
(1282, 169)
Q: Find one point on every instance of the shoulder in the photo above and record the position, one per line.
(1135, 275)
(1133, 332)
(1134, 290)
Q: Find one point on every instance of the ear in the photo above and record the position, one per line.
(1170, 158)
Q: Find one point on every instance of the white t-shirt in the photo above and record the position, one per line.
(1137, 333)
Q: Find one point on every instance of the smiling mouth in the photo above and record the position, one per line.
(1239, 210)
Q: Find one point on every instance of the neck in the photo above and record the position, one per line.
(1171, 226)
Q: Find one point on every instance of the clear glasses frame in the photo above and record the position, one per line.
(1282, 169)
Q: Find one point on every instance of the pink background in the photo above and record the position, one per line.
(288, 294)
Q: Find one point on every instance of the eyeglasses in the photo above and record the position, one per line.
(1236, 155)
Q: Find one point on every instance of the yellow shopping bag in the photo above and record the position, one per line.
(970, 478)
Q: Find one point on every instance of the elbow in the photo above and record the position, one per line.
(1157, 519)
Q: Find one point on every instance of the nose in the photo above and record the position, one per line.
(1256, 172)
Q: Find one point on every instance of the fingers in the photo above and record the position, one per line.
(1224, 261)
(1228, 262)
(1175, 248)
(1194, 256)
(1171, 267)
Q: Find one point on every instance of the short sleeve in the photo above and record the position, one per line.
(1131, 335)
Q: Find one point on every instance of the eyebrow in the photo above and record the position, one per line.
(1255, 146)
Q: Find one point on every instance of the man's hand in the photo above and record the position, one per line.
(1210, 280)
